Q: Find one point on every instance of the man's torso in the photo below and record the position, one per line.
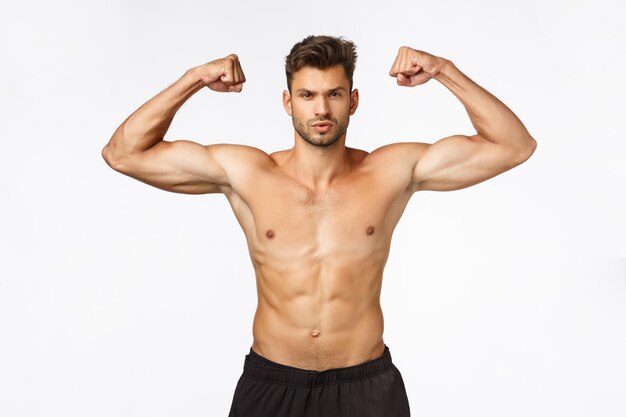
(319, 258)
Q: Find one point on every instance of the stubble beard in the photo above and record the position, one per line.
(320, 139)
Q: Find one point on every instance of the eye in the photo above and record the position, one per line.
(335, 94)
(305, 94)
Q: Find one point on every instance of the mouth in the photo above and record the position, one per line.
(322, 126)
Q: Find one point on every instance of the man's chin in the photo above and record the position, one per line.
(320, 143)
(327, 143)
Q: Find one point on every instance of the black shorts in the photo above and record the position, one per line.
(268, 389)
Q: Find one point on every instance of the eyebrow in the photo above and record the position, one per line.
(302, 90)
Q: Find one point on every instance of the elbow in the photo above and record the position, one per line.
(114, 152)
(532, 145)
(110, 159)
(106, 155)
(527, 151)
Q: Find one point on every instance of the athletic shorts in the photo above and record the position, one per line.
(268, 389)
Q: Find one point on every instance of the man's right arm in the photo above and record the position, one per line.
(137, 148)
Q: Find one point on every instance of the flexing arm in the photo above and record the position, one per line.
(137, 148)
(501, 143)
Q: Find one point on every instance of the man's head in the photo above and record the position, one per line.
(321, 52)
(319, 73)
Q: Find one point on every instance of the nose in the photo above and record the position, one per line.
(321, 106)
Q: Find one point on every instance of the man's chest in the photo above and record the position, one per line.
(356, 216)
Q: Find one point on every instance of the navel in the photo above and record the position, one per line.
(270, 234)
(315, 333)
(370, 230)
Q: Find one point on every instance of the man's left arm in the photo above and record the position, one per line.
(501, 143)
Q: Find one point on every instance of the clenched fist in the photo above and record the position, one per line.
(413, 67)
(223, 75)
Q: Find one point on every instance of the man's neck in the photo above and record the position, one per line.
(317, 166)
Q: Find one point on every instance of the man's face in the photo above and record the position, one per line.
(320, 104)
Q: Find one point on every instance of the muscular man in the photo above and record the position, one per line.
(318, 218)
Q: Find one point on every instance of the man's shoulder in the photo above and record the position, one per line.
(399, 147)
(279, 154)
(397, 153)
(239, 152)
(357, 155)
(238, 148)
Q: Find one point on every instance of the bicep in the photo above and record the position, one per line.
(181, 166)
(459, 161)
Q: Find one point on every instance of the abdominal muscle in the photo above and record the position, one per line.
(318, 321)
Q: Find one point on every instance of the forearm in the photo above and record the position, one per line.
(148, 124)
(491, 118)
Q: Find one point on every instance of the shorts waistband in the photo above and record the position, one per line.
(256, 366)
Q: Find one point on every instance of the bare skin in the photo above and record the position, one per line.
(319, 217)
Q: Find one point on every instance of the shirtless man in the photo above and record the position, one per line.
(318, 218)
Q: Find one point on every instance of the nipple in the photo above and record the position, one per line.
(315, 333)
(270, 234)
(370, 230)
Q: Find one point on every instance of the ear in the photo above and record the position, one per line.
(354, 101)
(287, 102)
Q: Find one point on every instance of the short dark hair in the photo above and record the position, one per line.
(321, 52)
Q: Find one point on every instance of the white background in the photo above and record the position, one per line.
(119, 299)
